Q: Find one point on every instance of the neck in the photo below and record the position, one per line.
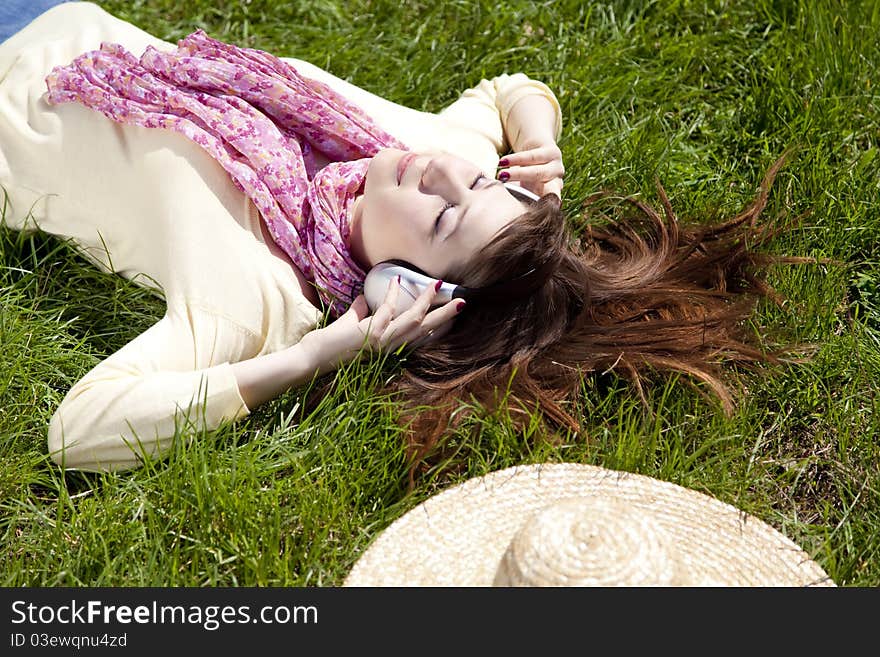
(356, 241)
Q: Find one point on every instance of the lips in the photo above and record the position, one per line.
(403, 164)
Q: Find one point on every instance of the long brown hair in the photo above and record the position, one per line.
(636, 294)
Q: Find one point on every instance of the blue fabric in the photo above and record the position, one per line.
(15, 14)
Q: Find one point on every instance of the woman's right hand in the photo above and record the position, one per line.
(539, 168)
(356, 331)
(536, 160)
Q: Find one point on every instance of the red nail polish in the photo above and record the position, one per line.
(503, 176)
(437, 286)
(503, 162)
(459, 307)
(398, 279)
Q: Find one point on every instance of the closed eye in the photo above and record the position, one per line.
(449, 206)
(446, 207)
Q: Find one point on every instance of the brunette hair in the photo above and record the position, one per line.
(638, 294)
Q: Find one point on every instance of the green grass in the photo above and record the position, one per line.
(703, 95)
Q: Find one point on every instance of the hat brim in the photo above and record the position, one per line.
(459, 536)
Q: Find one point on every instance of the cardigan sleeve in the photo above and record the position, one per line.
(168, 383)
(154, 208)
(486, 107)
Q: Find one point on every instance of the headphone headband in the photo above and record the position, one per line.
(521, 192)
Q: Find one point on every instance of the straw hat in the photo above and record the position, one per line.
(571, 524)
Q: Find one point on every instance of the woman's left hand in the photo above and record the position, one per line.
(356, 331)
(538, 169)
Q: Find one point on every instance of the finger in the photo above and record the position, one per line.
(426, 298)
(553, 187)
(539, 173)
(358, 308)
(379, 321)
(435, 325)
(423, 302)
(531, 156)
(535, 184)
(432, 336)
(354, 314)
(437, 333)
(442, 320)
(407, 325)
(391, 291)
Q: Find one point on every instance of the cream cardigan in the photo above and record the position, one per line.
(153, 207)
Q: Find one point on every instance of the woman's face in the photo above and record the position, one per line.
(435, 211)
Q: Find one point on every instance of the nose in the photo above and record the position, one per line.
(441, 175)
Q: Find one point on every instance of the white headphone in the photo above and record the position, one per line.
(413, 281)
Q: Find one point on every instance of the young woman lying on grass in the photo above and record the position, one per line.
(255, 200)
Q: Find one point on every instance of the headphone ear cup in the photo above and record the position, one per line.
(413, 282)
(380, 277)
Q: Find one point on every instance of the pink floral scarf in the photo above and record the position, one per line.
(263, 122)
